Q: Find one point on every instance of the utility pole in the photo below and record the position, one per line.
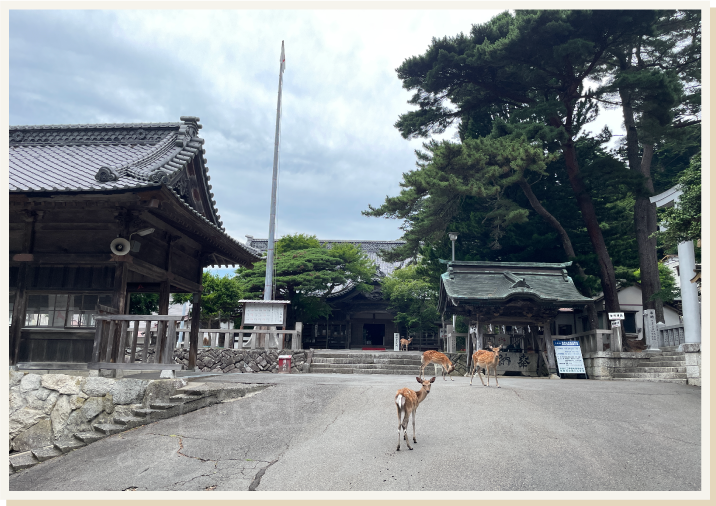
(268, 286)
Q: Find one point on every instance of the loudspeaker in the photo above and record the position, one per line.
(119, 246)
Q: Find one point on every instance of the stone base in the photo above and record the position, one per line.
(692, 354)
(600, 364)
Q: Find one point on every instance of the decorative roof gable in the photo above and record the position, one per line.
(114, 156)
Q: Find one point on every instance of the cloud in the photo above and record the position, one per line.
(339, 150)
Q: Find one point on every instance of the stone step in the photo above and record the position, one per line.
(401, 367)
(664, 375)
(382, 355)
(358, 370)
(23, 460)
(660, 380)
(90, 436)
(109, 428)
(185, 397)
(648, 369)
(152, 414)
(67, 445)
(662, 363)
(358, 360)
(46, 453)
(129, 421)
(164, 405)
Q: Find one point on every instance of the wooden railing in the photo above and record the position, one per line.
(230, 338)
(671, 335)
(111, 336)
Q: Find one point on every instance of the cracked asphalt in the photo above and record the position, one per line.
(339, 433)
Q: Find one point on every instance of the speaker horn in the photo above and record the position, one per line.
(120, 246)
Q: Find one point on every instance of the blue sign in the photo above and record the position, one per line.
(569, 357)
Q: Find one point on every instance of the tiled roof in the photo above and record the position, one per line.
(106, 157)
(103, 157)
(497, 282)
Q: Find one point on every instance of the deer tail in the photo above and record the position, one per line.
(400, 401)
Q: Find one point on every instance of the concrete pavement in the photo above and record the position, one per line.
(339, 432)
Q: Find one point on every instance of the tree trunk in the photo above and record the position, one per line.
(586, 206)
(645, 221)
(552, 221)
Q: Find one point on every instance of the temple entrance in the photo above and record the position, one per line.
(373, 334)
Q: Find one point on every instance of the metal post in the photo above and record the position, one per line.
(268, 286)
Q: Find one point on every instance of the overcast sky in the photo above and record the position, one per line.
(341, 96)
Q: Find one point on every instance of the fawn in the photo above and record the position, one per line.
(405, 342)
(488, 360)
(407, 401)
(435, 357)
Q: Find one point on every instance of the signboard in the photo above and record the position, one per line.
(616, 323)
(651, 331)
(569, 357)
(396, 341)
(616, 316)
(260, 313)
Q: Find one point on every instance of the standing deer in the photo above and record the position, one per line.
(488, 360)
(407, 401)
(405, 342)
(435, 357)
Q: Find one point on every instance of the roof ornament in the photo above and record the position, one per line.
(106, 174)
(159, 176)
(516, 282)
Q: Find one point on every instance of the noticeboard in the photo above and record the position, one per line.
(263, 314)
(569, 357)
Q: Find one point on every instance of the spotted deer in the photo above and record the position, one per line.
(435, 357)
(407, 401)
(405, 342)
(487, 360)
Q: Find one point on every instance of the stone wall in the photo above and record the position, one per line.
(221, 360)
(52, 407)
(692, 355)
(601, 364)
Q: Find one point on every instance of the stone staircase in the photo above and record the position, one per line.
(190, 398)
(382, 362)
(668, 366)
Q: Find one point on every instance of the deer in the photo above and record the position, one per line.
(405, 342)
(487, 360)
(435, 357)
(407, 401)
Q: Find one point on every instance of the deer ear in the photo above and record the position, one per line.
(432, 380)
(419, 380)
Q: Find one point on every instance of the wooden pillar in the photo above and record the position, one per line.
(20, 303)
(194, 334)
(348, 331)
(549, 347)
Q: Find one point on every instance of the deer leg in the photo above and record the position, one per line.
(495, 370)
(414, 440)
(400, 426)
(479, 373)
(472, 373)
(405, 429)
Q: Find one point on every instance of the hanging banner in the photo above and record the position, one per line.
(569, 357)
(396, 341)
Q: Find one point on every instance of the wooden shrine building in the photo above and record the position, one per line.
(503, 295)
(97, 212)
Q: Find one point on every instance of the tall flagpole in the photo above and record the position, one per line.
(268, 286)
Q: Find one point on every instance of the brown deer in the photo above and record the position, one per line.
(488, 360)
(405, 342)
(435, 357)
(407, 401)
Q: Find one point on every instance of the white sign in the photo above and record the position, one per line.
(263, 314)
(616, 316)
(651, 331)
(396, 341)
(616, 323)
(569, 357)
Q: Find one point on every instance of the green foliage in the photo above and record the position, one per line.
(221, 295)
(669, 290)
(306, 275)
(683, 221)
(412, 297)
(143, 303)
(296, 242)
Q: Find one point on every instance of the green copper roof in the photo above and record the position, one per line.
(487, 283)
